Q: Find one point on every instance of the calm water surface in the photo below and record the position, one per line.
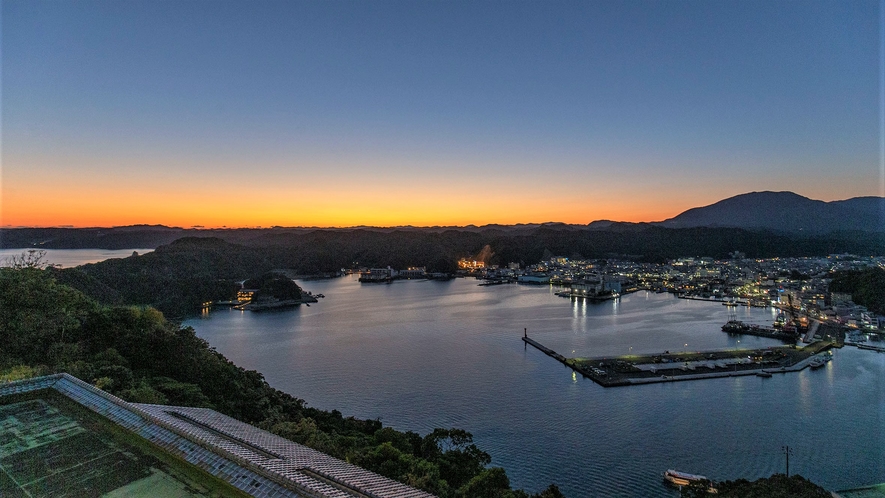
(422, 354)
(67, 258)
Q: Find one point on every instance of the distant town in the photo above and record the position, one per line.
(800, 285)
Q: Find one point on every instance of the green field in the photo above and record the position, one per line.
(53, 447)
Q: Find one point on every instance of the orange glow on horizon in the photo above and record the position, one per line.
(95, 209)
(90, 192)
(101, 218)
(142, 196)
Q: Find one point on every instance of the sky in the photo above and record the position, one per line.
(345, 113)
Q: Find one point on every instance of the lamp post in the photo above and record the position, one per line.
(787, 452)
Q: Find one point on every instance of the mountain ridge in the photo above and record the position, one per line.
(782, 212)
(786, 212)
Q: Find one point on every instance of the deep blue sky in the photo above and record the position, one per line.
(343, 113)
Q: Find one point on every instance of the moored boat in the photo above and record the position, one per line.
(677, 478)
(682, 478)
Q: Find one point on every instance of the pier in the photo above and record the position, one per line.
(549, 352)
(868, 347)
(631, 370)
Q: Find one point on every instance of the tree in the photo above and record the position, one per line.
(776, 486)
(32, 258)
(552, 491)
(458, 458)
(490, 483)
(867, 287)
(36, 312)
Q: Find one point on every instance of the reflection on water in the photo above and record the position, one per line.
(420, 355)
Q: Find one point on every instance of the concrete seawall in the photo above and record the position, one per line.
(546, 350)
(676, 372)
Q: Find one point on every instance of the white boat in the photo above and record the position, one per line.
(680, 479)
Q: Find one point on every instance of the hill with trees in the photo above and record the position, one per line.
(136, 354)
(867, 287)
(776, 486)
(178, 277)
(786, 212)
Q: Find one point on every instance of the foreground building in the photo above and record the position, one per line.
(60, 435)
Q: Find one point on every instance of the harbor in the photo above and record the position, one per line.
(461, 342)
(627, 370)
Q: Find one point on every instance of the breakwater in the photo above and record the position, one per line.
(545, 350)
(697, 365)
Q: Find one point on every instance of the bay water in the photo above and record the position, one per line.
(67, 258)
(424, 354)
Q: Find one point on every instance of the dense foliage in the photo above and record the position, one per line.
(175, 279)
(867, 287)
(776, 486)
(135, 353)
(273, 285)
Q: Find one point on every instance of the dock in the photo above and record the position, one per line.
(673, 367)
(741, 328)
(879, 349)
(544, 349)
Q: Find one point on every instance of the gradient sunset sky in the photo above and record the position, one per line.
(343, 113)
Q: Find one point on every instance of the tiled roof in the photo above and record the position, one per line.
(276, 454)
(253, 460)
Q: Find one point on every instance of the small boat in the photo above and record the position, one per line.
(763, 374)
(680, 479)
(817, 363)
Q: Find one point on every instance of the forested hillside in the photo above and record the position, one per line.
(134, 353)
(867, 287)
(776, 486)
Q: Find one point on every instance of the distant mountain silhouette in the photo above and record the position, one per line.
(700, 230)
(786, 212)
